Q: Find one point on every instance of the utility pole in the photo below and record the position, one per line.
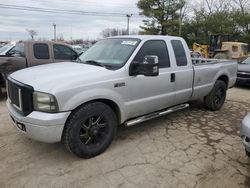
(180, 21)
(128, 17)
(54, 25)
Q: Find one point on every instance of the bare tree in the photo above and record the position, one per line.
(185, 11)
(213, 6)
(109, 32)
(32, 33)
(242, 4)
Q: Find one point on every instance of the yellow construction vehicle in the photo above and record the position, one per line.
(203, 49)
(221, 48)
(232, 50)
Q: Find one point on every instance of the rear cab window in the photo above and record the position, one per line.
(179, 52)
(41, 51)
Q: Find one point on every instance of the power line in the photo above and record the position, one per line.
(60, 11)
(93, 3)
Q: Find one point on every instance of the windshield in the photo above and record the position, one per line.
(246, 61)
(111, 52)
(6, 47)
(245, 48)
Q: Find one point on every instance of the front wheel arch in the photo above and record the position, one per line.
(114, 106)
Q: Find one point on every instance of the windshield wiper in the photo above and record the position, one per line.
(95, 63)
(78, 60)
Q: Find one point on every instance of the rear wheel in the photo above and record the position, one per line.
(216, 98)
(221, 56)
(90, 130)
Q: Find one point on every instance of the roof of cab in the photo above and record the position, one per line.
(147, 37)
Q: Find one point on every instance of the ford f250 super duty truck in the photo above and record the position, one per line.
(32, 53)
(121, 80)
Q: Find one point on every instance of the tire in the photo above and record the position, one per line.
(2, 84)
(221, 56)
(90, 130)
(247, 153)
(216, 98)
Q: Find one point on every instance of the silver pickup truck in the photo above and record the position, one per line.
(121, 80)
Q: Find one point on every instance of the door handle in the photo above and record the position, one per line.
(172, 77)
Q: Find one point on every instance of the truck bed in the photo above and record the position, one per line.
(207, 71)
(202, 61)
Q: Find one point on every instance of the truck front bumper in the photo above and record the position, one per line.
(245, 132)
(40, 126)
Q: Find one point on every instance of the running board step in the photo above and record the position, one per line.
(154, 115)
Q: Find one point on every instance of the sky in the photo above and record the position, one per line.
(14, 23)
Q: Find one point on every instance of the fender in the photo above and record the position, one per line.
(72, 102)
(219, 74)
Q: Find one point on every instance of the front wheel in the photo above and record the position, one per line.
(216, 98)
(90, 130)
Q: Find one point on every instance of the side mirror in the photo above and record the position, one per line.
(149, 67)
(11, 53)
(74, 56)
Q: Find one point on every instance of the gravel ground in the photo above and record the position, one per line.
(190, 148)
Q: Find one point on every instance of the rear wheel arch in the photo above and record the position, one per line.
(224, 78)
(216, 98)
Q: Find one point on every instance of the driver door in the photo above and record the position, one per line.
(63, 53)
(148, 94)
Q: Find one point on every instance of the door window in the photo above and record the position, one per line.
(180, 55)
(41, 51)
(63, 52)
(157, 48)
(18, 50)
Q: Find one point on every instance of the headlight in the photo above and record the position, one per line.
(44, 102)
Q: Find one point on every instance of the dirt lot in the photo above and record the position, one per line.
(191, 148)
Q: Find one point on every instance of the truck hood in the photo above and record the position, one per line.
(244, 67)
(51, 77)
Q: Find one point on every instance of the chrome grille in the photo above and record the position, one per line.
(14, 94)
(20, 96)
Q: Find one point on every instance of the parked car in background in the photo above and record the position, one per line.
(32, 53)
(245, 133)
(6, 48)
(120, 80)
(243, 75)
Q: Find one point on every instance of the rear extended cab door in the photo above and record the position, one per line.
(183, 72)
(39, 53)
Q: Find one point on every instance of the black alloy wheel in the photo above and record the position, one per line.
(90, 129)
